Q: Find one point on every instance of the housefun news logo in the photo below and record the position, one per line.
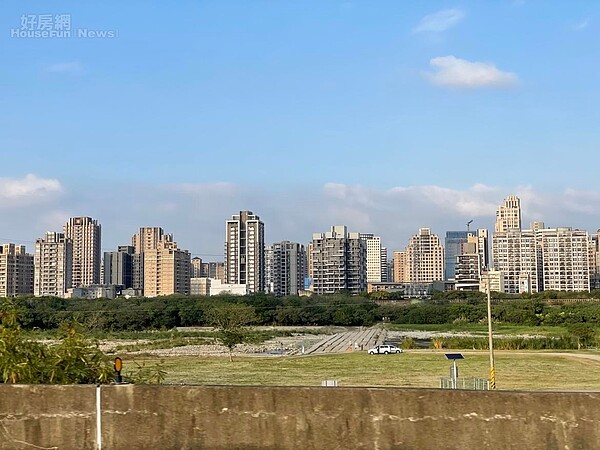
(56, 26)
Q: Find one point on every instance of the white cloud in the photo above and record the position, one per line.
(74, 68)
(440, 21)
(455, 72)
(27, 189)
(196, 213)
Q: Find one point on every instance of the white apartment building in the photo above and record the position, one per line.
(494, 279)
(16, 271)
(539, 259)
(85, 234)
(374, 258)
(53, 261)
(515, 255)
(565, 259)
(245, 251)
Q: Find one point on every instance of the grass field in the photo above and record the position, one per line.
(514, 371)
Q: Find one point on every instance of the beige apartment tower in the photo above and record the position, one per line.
(423, 259)
(53, 261)
(376, 258)
(167, 269)
(16, 271)
(400, 268)
(147, 238)
(245, 251)
(196, 267)
(85, 235)
(508, 215)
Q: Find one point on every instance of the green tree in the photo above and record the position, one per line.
(74, 359)
(231, 322)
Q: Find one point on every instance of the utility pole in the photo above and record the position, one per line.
(491, 341)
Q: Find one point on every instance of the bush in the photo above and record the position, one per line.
(408, 343)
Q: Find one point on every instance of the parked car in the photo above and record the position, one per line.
(384, 349)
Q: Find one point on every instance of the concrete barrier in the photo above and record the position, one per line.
(233, 417)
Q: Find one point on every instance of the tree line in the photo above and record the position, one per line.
(135, 314)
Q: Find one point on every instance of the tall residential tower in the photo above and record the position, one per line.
(339, 261)
(245, 251)
(85, 234)
(16, 271)
(53, 262)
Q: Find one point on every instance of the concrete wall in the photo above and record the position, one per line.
(215, 417)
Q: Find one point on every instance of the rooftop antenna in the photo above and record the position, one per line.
(469, 223)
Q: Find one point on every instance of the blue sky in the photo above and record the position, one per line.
(385, 116)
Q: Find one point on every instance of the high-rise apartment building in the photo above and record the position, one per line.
(85, 234)
(468, 265)
(539, 258)
(137, 272)
(147, 238)
(16, 271)
(309, 248)
(245, 251)
(453, 244)
(565, 259)
(400, 268)
(384, 265)
(53, 265)
(216, 271)
(483, 247)
(423, 259)
(458, 243)
(197, 267)
(508, 215)
(167, 269)
(515, 255)
(594, 245)
(118, 266)
(339, 261)
(374, 257)
(285, 268)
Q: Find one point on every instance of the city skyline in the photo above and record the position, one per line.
(531, 259)
(386, 118)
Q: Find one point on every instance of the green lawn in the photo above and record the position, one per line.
(535, 371)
